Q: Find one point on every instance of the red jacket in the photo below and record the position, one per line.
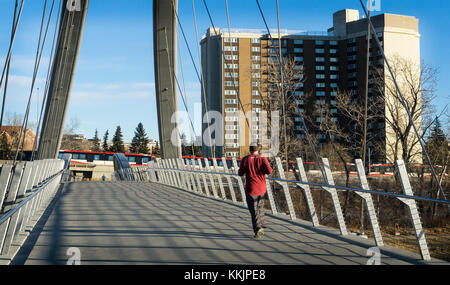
(255, 168)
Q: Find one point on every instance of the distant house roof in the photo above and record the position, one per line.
(14, 132)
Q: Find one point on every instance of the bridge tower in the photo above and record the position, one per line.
(73, 17)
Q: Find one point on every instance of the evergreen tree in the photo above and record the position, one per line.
(105, 142)
(117, 146)
(5, 148)
(140, 140)
(437, 144)
(156, 150)
(96, 142)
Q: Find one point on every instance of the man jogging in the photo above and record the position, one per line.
(255, 167)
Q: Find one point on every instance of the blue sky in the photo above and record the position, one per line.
(114, 82)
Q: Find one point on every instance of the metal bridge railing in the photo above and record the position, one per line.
(26, 189)
(204, 176)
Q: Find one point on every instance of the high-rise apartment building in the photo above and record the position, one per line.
(235, 65)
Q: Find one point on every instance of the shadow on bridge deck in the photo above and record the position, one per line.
(144, 223)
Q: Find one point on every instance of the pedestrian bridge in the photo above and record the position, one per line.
(151, 222)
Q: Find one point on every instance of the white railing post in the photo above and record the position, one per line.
(413, 211)
(205, 183)
(219, 178)
(285, 187)
(229, 180)
(307, 192)
(369, 203)
(239, 180)
(334, 197)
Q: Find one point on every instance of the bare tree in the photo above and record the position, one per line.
(280, 89)
(417, 83)
(71, 140)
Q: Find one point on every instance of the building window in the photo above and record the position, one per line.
(255, 41)
(231, 109)
(256, 57)
(320, 84)
(320, 59)
(333, 93)
(333, 43)
(334, 68)
(231, 57)
(230, 48)
(298, 50)
(333, 59)
(320, 102)
(298, 93)
(334, 76)
(320, 67)
(231, 83)
(333, 51)
(256, 66)
(320, 119)
(256, 83)
(230, 66)
(320, 93)
(256, 49)
(256, 101)
(255, 92)
(320, 76)
(298, 42)
(319, 42)
(298, 58)
(256, 75)
(230, 74)
(231, 119)
(230, 40)
(230, 101)
(320, 50)
(351, 58)
(230, 92)
(333, 85)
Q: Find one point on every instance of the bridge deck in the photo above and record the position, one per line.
(137, 223)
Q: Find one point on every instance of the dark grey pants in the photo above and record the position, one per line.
(256, 207)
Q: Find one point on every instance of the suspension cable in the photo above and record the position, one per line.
(402, 100)
(38, 58)
(185, 101)
(16, 21)
(290, 87)
(47, 84)
(223, 55)
(8, 67)
(213, 153)
(173, 75)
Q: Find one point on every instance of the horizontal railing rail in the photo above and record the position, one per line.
(377, 192)
(206, 177)
(26, 188)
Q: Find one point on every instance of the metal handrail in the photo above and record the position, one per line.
(378, 192)
(35, 193)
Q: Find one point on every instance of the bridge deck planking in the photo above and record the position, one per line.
(137, 223)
